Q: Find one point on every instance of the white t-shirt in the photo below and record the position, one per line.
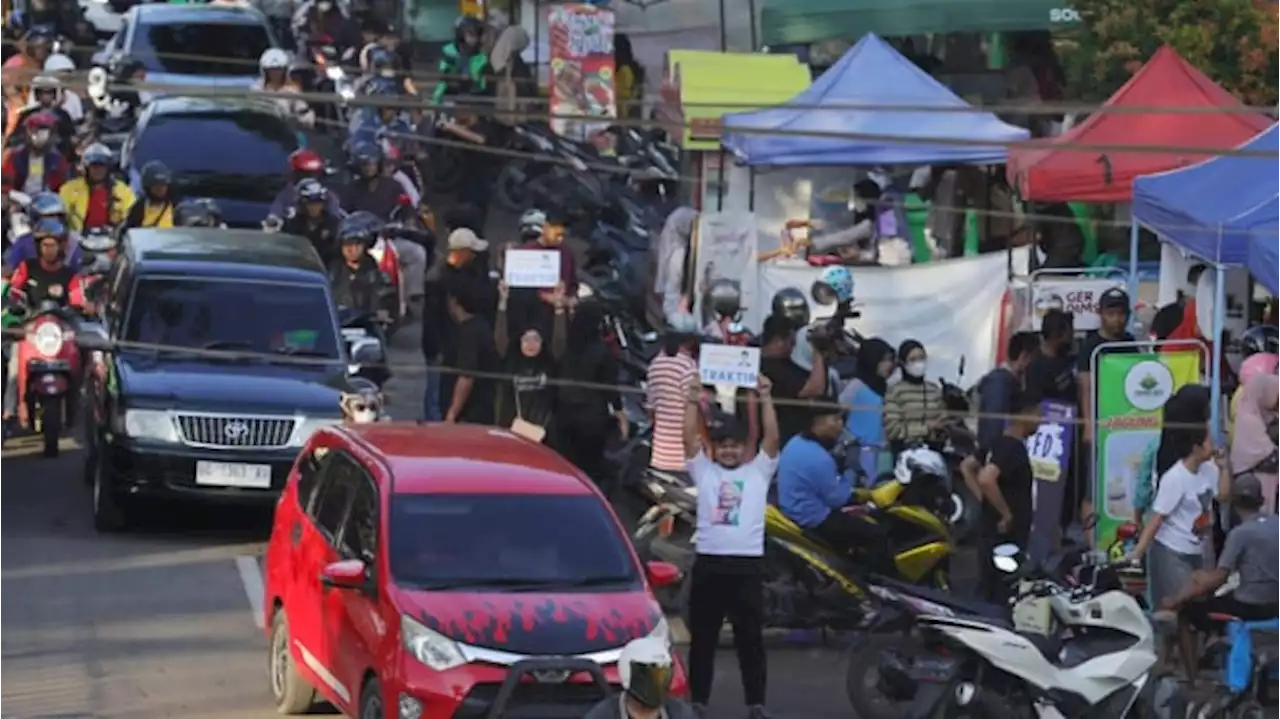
(731, 504)
(1181, 498)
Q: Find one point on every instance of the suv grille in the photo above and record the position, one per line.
(230, 431)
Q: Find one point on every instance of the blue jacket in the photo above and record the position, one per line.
(367, 126)
(809, 484)
(25, 249)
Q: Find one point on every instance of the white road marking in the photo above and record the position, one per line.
(251, 578)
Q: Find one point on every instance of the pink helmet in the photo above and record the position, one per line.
(1256, 364)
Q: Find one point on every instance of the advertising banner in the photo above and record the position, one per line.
(1050, 452)
(1131, 390)
(582, 82)
(1077, 295)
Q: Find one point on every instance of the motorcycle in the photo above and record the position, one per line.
(48, 366)
(511, 187)
(366, 343)
(331, 78)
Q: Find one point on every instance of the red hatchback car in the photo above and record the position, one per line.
(445, 571)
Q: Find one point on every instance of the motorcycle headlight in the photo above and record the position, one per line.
(585, 292)
(150, 424)
(47, 339)
(430, 647)
(308, 426)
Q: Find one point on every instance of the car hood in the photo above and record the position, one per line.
(177, 78)
(561, 624)
(246, 388)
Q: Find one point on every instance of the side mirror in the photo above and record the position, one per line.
(662, 574)
(367, 351)
(1004, 557)
(93, 337)
(346, 574)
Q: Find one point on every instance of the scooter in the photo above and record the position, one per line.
(48, 366)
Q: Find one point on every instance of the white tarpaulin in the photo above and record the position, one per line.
(952, 307)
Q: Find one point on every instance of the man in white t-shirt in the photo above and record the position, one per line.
(728, 571)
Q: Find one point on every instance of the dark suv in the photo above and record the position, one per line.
(219, 354)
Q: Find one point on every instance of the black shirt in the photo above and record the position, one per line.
(788, 379)
(1009, 454)
(1084, 361)
(1053, 378)
(471, 353)
(359, 287)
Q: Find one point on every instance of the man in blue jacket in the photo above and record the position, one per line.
(813, 490)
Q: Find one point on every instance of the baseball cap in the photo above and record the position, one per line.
(464, 239)
(1247, 489)
(1114, 298)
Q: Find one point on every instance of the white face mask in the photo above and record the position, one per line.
(387, 72)
(40, 137)
(324, 6)
(364, 416)
(915, 369)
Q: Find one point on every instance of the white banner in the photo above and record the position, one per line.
(952, 307)
(727, 247)
(1077, 295)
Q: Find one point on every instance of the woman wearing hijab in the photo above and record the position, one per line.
(586, 411)
(527, 404)
(1188, 406)
(628, 78)
(913, 405)
(865, 395)
(1253, 449)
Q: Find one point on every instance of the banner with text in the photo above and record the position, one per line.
(582, 70)
(1050, 452)
(1077, 295)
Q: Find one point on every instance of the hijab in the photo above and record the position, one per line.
(1252, 444)
(904, 349)
(870, 355)
(521, 364)
(1189, 405)
(510, 44)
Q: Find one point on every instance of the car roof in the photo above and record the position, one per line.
(434, 458)
(212, 252)
(165, 13)
(187, 105)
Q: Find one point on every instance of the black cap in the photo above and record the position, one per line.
(1114, 298)
(1246, 490)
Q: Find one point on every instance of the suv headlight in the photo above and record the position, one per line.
(308, 426)
(153, 424)
(432, 648)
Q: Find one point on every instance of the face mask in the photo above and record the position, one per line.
(324, 6)
(364, 416)
(40, 137)
(915, 369)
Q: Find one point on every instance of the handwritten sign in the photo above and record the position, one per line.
(1078, 296)
(532, 268)
(728, 364)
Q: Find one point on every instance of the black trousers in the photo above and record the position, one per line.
(731, 587)
(849, 532)
(583, 444)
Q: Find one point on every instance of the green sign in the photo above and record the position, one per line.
(1131, 390)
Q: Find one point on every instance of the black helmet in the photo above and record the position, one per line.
(466, 25)
(359, 228)
(198, 212)
(365, 152)
(310, 190)
(791, 303)
(1258, 339)
(1113, 299)
(156, 173)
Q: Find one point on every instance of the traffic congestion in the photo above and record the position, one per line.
(478, 412)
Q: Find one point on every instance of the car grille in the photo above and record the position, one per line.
(532, 701)
(234, 432)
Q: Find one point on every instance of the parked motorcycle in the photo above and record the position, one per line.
(48, 366)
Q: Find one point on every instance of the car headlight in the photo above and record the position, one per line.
(308, 426)
(153, 424)
(432, 648)
(47, 339)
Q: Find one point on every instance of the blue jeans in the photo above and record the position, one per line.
(431, 411)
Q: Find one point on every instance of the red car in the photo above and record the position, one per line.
(435, 571)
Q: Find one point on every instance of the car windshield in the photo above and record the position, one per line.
(240, 153)
(281, 318)
(444, 541)
(202, 48)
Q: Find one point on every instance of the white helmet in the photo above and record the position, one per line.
(58, 62)
(918, 461)
(644, 669)
(531, 223)
(273, 59)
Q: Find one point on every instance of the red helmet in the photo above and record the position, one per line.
(43, 120)
(305, 162)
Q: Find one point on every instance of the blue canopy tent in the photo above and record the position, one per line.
(1218, 210)
(823, 126)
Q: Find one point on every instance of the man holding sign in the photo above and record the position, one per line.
(538, 267)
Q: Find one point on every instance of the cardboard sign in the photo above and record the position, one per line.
(532, 268)
(1078, 296)
(728, 364)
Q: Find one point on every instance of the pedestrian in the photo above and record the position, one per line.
(789, 380)
(864, 395)
(670, 373)
(728, 569)
(913, 405)
(465, 260)
(1052, 373)
(588, 407)
(527, 402)
(645, 671)
(1188, 406)
(470, 359)
(998, 387)
(1253, 449)
(1004, 482)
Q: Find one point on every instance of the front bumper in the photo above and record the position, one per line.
(167, 470)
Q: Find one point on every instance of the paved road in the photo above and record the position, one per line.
(157, 623)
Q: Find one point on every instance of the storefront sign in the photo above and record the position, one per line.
(1131, 389)
(1050, 452)
(1078, 296)
(581, 70)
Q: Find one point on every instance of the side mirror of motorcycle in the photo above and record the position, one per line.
(93, 337)
(1004, 557)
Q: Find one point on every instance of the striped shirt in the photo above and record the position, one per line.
(669, 378)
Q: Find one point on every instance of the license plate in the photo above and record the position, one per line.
(231, 474)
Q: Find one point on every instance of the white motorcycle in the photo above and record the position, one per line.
(1071, 651)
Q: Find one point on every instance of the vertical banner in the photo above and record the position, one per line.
(1131, 391)
(726, 250)
(1049, 450)
(581, 70)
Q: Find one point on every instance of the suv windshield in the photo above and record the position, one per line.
(232, 315)
(202, 48)
(239, 154)
(538, 542)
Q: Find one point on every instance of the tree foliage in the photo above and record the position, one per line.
(1232, 41)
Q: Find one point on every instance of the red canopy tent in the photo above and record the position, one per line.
(1061, 174)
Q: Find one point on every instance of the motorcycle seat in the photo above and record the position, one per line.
(962, 606)
(1050, 646)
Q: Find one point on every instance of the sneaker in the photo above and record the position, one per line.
(757, 711)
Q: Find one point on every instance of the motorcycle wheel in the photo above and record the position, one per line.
(51, 424)
(509, 189)
(868, 693)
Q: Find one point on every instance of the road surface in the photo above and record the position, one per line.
(160, 622)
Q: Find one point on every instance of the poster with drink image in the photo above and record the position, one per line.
(582, 81)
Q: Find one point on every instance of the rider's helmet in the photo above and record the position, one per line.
(47, 205)
(361, 403)
(273, 58)
(645, 670)
(96, 154)
(467, 26)
(155, 173)
(40, 126)
(46, 90)
(58, 62)
(791, 303)
(364, 153)
(834, 285)
(305, 163)
(50, 227)
(310, 190)
(1260, 338)
(919, 462)
(531, 224)
(197, 212)
(359, 227)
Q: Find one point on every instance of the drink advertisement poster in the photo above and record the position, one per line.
(1131, 390)
(582, 82)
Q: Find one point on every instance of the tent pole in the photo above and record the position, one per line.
(1133, 263)
(1215, 381)
(724, 32)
